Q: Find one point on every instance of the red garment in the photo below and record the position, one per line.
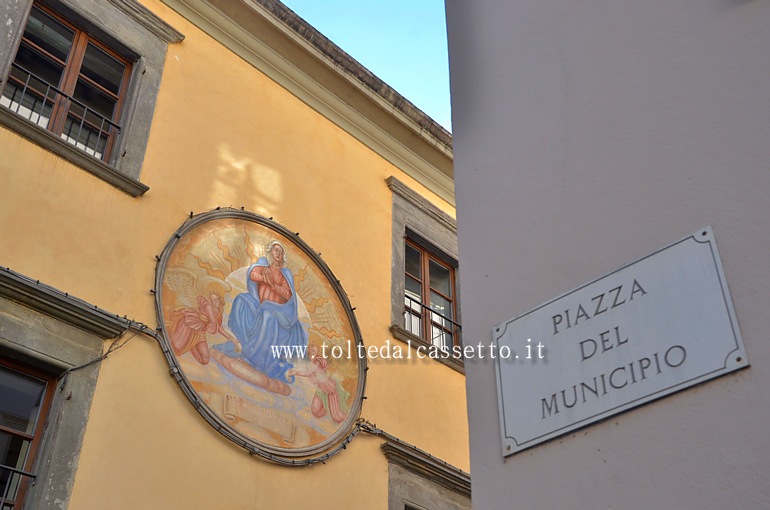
(190, 326)
(272, 284)
(327, 397)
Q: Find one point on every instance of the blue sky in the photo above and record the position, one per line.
(402, 42)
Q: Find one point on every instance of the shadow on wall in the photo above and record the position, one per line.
(238, 174)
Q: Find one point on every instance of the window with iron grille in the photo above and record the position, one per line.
(425, 294)
(67, 82)
(429, 299)
(25, 397)
(80, 79)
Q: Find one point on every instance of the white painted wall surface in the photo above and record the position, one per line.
(587, 134)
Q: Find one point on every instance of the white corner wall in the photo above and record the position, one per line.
(587, 134)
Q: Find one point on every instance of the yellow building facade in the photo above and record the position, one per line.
(167, 110)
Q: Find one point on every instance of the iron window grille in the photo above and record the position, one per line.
(430, 306)
(67, 82)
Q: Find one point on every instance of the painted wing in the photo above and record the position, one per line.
(181, 282)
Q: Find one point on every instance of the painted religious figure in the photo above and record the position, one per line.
(267, 315)
(246, 308)
(190, 326)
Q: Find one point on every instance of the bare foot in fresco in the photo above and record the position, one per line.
(251, 375)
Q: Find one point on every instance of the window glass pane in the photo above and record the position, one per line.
(95, 100)
(13, 450)
(20, 399)
(13, 453)
(441, 332)
(103, 69)
(41, 66)
(440, 278)
(448, 340)
(49, 34)
(440, 305)
(413, 262)
(413, 307)
(412, 319)
(413, 289)
(441, 338)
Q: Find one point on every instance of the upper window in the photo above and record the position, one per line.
(69, 83)
(80, 78)
(429, 303)
(24, 400)
(425, 297)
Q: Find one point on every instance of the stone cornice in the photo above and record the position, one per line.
(149, 20)
(60, 305)
(279, 43)
(415, 199)
(349, 65)
(428, 466)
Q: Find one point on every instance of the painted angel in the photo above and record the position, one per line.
(330, 397)
(201, 314)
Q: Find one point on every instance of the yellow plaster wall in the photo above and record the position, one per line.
(223, 135)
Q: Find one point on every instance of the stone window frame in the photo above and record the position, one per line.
(131, 30)
(52, 332)
(414, 217)
(418, 480)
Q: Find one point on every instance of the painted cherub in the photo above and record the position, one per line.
(330, 396)
(201, 315)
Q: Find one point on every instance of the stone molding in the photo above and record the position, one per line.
(427, 466)
(56, 145)
(401, 334)
(415, 199)
(148, 20)
(60, 305)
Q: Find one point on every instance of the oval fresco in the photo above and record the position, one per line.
(260, 335)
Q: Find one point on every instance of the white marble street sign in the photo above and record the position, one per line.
(659, 325)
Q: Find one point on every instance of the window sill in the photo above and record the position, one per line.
(50, 142)
(399, 333)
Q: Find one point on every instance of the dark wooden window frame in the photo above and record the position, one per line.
(36, 437)
(135, 33)
(426, 321)
(71, 74)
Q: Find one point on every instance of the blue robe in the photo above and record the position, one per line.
(260, 325)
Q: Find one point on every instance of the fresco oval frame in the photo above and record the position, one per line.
(290, 456)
